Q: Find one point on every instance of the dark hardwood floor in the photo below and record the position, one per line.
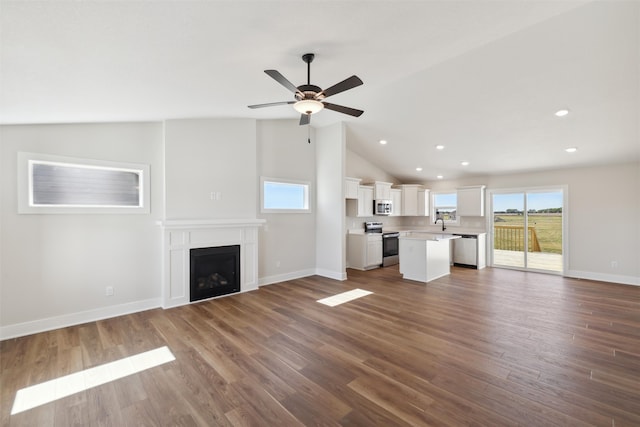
(477, 348)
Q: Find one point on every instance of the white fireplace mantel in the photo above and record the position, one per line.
(180, 236)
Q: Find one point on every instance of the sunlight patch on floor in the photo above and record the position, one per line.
(343, 297)
(49, 391)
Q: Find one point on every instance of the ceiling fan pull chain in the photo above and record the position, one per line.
(309, 133)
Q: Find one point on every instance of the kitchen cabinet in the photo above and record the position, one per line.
(471, 201)
(365, 201)
(423, 202)
(351, 187)
(396, 202)
(363, 205)
(382, 190)
(425, 256)
(410, 199)
(364, 251)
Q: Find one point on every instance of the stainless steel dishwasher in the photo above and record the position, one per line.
(465, 251)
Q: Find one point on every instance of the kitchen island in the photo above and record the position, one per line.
(425, 256)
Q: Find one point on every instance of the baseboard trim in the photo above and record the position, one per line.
(336, 275)
(613, 278)
(66, 320)
(270, 280)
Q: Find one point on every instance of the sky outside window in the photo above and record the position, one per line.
(279, 195)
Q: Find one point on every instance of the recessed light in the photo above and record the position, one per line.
(439, 176)
(571, 149)
(562, 113)
(383, 141)
(439, 147)
(419, 169)
(464, 163)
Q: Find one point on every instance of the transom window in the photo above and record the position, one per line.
(280, 196)
(56, 184)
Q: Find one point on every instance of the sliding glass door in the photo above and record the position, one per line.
(528, 229)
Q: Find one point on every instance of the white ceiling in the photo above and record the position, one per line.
(481, 77)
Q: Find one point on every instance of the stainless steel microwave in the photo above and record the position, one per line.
(382, 207)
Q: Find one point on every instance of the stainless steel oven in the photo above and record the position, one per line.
(390, 246)
(390, 243)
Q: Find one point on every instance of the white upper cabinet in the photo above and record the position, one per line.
(423, 202)
(471, 201)
(382, 190)
(365, 201)
(362, 206)
(396, 202)
(410, 199)
(351, 187)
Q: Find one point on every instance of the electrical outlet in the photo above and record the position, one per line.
(277, 263)
(614, 264)
(108, 291)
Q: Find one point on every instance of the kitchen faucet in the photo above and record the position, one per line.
(441, 219)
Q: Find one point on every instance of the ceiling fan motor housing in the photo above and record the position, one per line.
(309, 92)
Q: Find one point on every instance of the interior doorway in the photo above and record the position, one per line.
(528, 229)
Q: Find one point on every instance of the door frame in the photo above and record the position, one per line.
(565, 223)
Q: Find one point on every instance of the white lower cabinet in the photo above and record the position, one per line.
(364, 251)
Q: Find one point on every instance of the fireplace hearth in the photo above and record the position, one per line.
(215, 271)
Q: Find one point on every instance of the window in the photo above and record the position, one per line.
(445, 206)
(56, 184)
(279, 195)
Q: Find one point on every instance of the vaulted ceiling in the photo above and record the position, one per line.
(483, 78)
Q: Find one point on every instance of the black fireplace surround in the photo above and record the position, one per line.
(215, 271)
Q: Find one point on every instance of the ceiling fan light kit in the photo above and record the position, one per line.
(308, 106)
(309, 99)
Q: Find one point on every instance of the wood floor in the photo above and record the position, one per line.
(477, 348)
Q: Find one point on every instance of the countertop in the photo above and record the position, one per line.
(432, 230)
(421, 235)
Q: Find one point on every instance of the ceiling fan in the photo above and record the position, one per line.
(309, 99)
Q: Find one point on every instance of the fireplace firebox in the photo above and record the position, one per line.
(215, 271)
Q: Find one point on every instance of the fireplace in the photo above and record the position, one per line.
(180, 236)
(214, 271)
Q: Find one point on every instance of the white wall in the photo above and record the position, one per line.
(603, 213)
(287, 241)
(55, 267)
(359, 167)
(204, 156)
(330, 226)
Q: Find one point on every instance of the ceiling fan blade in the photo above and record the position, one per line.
(346, 84)
(271, 104)
(274, 74)
(344, 110)
(305, 119)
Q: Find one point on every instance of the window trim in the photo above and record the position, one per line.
(433, 206)
(25, 185)
(308, 194)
